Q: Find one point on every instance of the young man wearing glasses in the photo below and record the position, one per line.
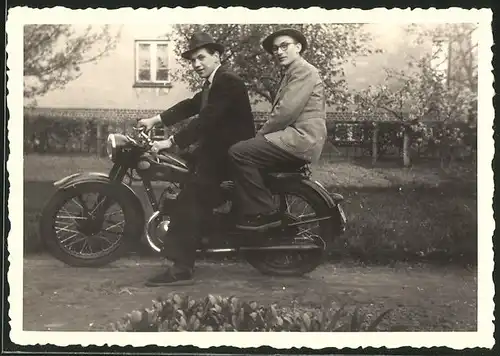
(293, 135)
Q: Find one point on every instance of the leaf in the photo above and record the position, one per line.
(177, 299)
(196, 325)
(235, 322)
(212, 299)
(136, 317)
(182, 322)
(181, 312)
(191, 321)
(335, 319)
(191, 304)
(288, 319)
(274, 312)
(217, 308)
(241, 317)
(374, 324)
(307, 321)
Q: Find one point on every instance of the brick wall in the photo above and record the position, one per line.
(132, 114)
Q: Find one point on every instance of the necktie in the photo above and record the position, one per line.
(204, 94)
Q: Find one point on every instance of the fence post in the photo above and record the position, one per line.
(98, 139)
(406, 148)
(83, 127)
(100, 148)
(375, 142)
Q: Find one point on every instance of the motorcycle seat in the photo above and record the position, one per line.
(287, 171)
(273, 175)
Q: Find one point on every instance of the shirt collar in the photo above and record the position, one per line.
(211, 77)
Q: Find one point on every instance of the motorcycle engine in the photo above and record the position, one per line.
(168, 199)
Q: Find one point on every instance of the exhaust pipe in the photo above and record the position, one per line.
(262, 248)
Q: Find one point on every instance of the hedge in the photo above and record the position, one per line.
(62, 134)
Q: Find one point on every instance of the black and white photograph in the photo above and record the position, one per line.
(203, 170)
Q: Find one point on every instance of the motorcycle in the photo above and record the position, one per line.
(80, 236)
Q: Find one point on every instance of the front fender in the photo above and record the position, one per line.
(88, 177)
(81, 177)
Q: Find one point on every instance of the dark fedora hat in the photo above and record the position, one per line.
(297, 35)
(199, 40)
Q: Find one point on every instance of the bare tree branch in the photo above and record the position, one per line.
(53, 54)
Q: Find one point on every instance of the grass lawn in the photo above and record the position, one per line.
(393, 213)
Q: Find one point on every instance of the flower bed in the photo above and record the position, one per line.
(217, 313)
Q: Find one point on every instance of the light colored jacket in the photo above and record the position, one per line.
(297, 122)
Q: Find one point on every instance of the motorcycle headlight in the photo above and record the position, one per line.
(111, 146)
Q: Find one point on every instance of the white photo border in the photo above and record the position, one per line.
(19, 16)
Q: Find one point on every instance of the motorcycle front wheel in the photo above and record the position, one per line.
(89, 224)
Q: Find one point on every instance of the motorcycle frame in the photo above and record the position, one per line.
(119, 171)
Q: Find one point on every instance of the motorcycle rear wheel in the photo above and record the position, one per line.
(48, 225)
(267, 263)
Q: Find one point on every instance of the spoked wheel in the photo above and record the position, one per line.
(297, 204)
(87, 225)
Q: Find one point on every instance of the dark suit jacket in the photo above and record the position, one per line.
(225, 120)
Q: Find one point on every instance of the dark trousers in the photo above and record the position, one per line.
(194, 204)
(249, 159)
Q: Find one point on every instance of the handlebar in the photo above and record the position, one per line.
(141, 132)
(144, 140)
(140, 138)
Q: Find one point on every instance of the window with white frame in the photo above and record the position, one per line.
(151, 63)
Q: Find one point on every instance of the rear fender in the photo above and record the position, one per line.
(276, 181)
(332, 200)
(97, 177)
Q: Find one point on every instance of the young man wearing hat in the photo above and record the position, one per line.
(224, 118)
(293, 135)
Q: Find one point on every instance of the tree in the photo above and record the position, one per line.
(419, 92)
(53, 54)
(460, 49)
(330, 46)
(457, 45)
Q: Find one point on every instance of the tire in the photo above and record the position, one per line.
(311, 259)
(115, 192)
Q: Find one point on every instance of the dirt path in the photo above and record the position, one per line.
(58, 297)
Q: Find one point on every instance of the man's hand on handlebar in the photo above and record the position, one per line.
(149, 123)
(162, 145)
